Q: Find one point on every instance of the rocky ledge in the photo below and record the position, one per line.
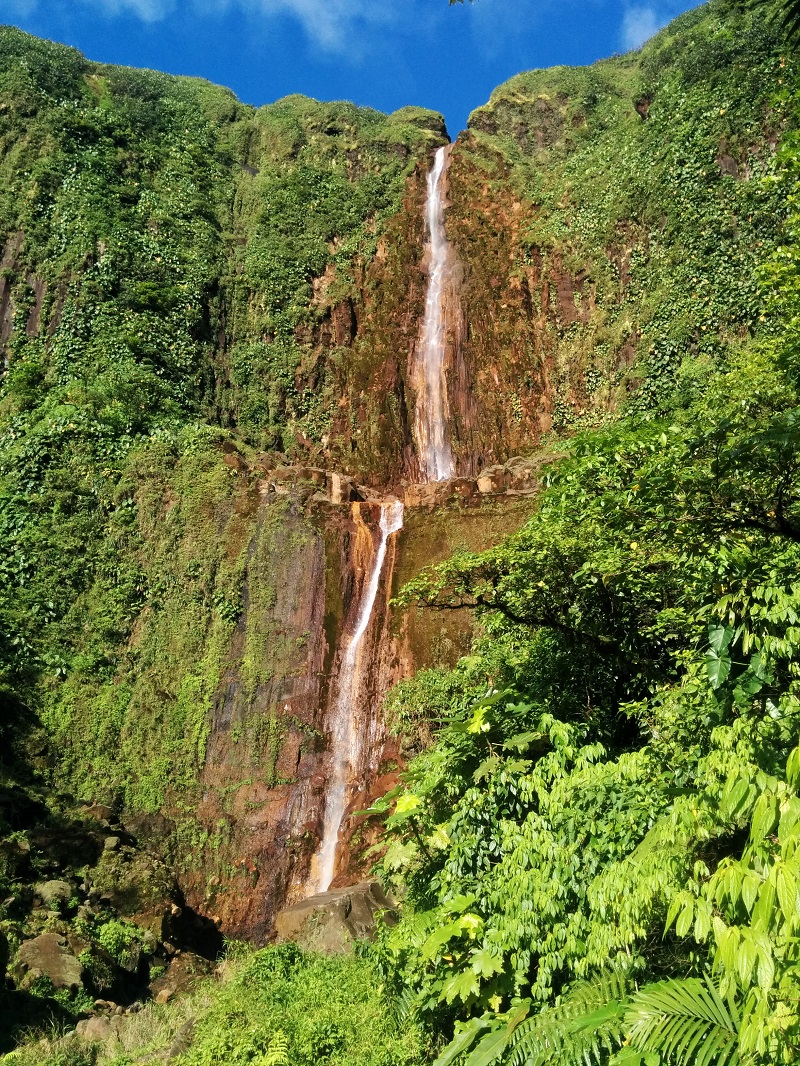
(519, 476)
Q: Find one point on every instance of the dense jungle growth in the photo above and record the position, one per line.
(595, 844)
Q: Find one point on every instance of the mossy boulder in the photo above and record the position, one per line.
(48, 957)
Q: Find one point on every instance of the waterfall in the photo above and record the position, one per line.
(349, 730)
(352, 720)
(433, 445)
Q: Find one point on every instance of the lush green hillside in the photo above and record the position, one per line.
(597, 852)
(611, 219)
(160, 246)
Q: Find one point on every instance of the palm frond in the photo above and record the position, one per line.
(586, 1025)
(686, 1022)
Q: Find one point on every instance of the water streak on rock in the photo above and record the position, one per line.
(432, 411)
(352, 722)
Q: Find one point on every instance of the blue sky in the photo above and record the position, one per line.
(383, 53)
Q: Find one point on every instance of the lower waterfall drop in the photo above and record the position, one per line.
(349, 730)
(431, 412)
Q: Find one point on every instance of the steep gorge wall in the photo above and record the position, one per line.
(215, 313)
(243, 823)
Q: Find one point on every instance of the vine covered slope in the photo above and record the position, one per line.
(207, 318)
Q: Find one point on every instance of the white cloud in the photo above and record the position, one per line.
(332, 25)
(335, 26)
(639, 25)
(146, 10)
(19, 8)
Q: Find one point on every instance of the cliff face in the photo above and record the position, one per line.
(208, 322)
(222, 733)
(601, 215)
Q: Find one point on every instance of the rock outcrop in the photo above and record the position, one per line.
(331, 922)
(48, 956)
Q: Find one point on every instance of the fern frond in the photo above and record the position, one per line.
(277, 1054)
(584, 1026)
(401, 1006)
(686, 1022)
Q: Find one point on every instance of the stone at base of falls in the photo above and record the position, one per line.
(47, 956)
(331, 922)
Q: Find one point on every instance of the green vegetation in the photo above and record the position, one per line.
(272, 1008)
(599, 852)
(160, 244)
(597, 843)
(649, 196)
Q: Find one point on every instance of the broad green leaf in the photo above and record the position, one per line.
(718, 667)
(765, 816)
(438, 938)
(522, 741)
(790, 816)
(407, 803)
(746, 956)
(462, 1042)
(793, 768)
(460, 903)
(719, 637)
(750, 889)
(471, 924)
(461, 986)
(485, 963)
(765, 968)
(684, 922)
(786, 885)
(486, 768)
(490, 1048)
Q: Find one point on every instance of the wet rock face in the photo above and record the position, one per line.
(261, 777)
(331, 922)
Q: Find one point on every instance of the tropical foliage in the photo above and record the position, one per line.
(598, 852)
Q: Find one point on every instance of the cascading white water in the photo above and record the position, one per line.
(349, 731)
(433, 445)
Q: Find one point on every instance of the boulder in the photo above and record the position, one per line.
(428, 494)
(523, 472)
(134, 882)
(96, 1028)
(493, 479)
(341, 489)
(98, 812)
(55, 895)
(464, 487)
(185, 970)
(331, 922)
(312, 474)
(47, 956)
(182, 1040)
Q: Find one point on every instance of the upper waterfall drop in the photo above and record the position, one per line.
(431, 412)
(350, 730)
